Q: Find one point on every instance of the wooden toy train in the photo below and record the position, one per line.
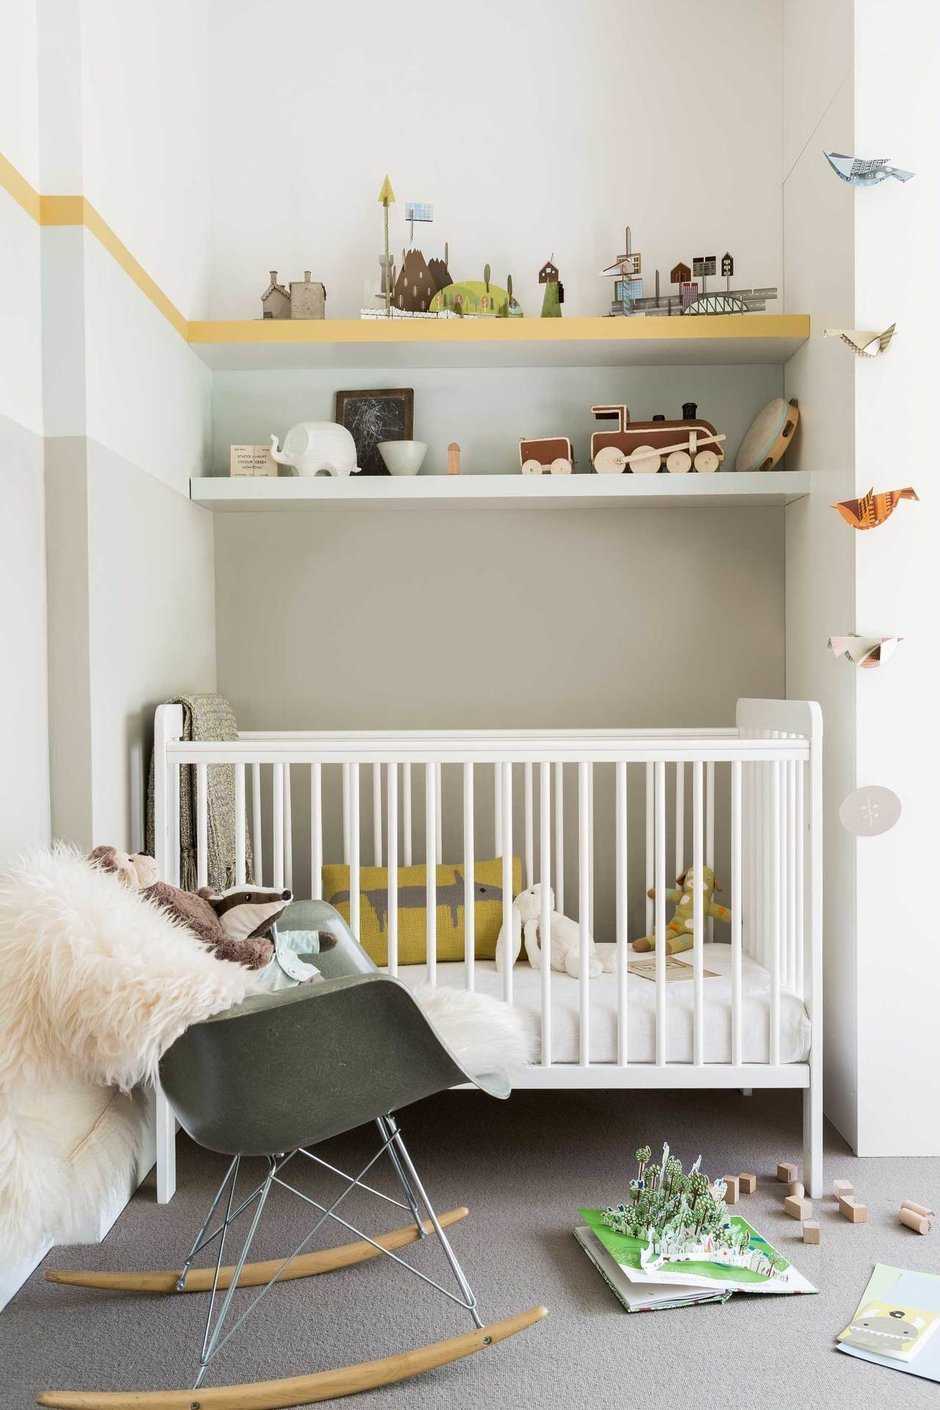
(646, 447)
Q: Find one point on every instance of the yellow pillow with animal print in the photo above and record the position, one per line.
(412, 908)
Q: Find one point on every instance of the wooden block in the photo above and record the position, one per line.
(810, 1231)
(747, 1183)
(920, 1209)
(732, 1189)
(920, 1223)
(787, 1170)
(797, 1207)
(841, 1188)
(853, 1210)
(795, 1187)
(453, 458)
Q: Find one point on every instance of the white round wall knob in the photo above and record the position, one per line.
(870, 810)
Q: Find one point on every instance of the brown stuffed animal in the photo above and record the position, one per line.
(234, 924)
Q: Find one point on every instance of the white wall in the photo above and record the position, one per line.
(24, 771)
(895, 570)
(818, 279)
(535, 128)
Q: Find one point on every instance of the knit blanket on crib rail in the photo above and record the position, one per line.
(206, 716)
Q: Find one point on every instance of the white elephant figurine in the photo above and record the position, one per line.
(312, 447)
(565, 937)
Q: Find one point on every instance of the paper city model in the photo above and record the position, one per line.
(306, 298)
(554, 295)
(646, 447)
(859, 171)
(693, 295)
(684, 1218)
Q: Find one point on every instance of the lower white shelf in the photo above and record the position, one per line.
(245, 493)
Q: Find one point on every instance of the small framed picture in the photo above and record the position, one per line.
(373, 415)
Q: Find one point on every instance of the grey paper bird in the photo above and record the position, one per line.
(862, 342)
(859, 171)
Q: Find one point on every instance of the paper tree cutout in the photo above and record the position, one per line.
(865, 651)
(859, 171)
(872, 509)
(386, 195)
(862, 342)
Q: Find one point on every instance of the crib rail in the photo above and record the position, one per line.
(649, 803)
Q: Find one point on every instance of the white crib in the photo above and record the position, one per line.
(600, 816)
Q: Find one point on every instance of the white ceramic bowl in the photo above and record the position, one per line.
(403, 457)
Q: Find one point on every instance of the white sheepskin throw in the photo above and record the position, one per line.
(484, 1034)
(95, 984)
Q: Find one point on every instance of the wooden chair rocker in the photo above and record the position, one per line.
(270, 1078)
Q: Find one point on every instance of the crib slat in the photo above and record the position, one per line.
(202, 825)
(257, 859)
(650, 847)
(346, 830)
(736, 919)
(391, 789)
(377, 815)
(584, 908)
(591, 848)
(792, 768)
(545, 919)
(174, 810)
(439, 809)
(680, 817)
(277, 822)
(430, 856)
(659, 770)
(698, 927)
(799, 862)
(505, 809)
(782, 835)
(529, 826)
(775, 899)
(355, 899)
(406, 814)
(469, 893)
(498, 810)
(316, 832)
(560, 838)
(288, 833)
(240, 820)
(622, 912)
(710, 836)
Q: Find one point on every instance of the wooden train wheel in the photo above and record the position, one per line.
(645, 460)
(707, 462)
(610, 461)
(679, 462)
(560, 466)
(300, 1390)
(531, 467)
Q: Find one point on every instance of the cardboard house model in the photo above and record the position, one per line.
(275, 301)
(548, 274)
(307, 298)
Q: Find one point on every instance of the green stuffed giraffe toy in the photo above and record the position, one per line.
(679, 929)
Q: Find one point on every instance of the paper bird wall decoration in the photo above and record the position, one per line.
(862, 342)
(857, 171)
(872, 509)
(865, 651)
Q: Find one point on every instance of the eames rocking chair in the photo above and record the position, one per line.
(270, 1078)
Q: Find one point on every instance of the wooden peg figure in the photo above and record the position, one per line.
(453, 458)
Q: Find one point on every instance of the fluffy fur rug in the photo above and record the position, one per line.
(484, 1034)
(95, 983)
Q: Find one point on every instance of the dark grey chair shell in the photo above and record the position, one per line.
(293, 1068)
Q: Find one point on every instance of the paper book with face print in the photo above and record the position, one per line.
(890, 1330)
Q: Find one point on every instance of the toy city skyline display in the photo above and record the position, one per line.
(693, 297)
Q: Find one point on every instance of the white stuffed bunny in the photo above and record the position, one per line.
(565, 944)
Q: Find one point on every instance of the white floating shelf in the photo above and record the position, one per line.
(273, 344)
(244, 493)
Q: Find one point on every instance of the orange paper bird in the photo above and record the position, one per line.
(872, 509)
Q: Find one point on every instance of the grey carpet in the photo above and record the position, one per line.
(523, 1167)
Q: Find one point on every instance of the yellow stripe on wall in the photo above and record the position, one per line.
(76, 210)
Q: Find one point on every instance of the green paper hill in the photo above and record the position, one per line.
(473, 297)
(626, 1250)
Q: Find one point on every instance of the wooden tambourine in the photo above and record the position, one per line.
(768, 435)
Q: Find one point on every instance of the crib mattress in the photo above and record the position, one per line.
(641, 1040)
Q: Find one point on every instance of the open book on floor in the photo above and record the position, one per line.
(682, 1283)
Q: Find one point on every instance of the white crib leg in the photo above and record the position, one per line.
(813, 1137)
(166, 1147)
